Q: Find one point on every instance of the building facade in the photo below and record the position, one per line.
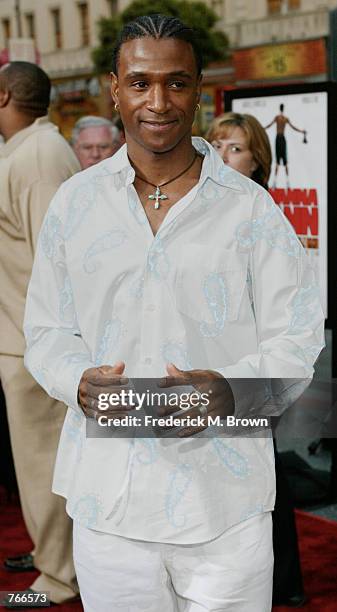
(257, 22)
(270, 40)
(64, 32)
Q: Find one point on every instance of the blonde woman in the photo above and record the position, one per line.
(243, 144)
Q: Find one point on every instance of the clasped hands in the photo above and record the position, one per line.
(111, 380)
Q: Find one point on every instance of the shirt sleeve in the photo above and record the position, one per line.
(56, 354)
(288, 315)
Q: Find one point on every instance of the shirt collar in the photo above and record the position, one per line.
(41, 123)
(213, 167)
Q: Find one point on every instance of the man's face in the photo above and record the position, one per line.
(157, 89)
(93, 145)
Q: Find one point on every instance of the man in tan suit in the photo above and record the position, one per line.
(34, 161)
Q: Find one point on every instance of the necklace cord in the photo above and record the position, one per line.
(172, 179)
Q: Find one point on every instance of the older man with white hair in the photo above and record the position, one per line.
(94, 139)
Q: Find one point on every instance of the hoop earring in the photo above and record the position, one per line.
(116, 107)
(197, 108)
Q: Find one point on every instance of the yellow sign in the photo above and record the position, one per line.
(280, 61)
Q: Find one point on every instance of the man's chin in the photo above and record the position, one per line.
(161, 149)
(161, 145)
(157, 144)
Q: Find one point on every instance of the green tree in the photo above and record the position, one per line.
(213, 43)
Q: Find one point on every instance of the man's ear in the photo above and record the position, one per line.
(5, 97)
(199, 85)
(114, 87)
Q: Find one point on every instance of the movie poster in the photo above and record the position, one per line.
(298, 181)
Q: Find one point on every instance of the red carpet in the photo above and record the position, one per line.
(318, 548)
(318, 545)
(13, 541)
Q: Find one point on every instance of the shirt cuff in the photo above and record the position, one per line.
(251, 395)
(70, 377)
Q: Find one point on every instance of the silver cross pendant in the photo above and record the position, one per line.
(157, 195)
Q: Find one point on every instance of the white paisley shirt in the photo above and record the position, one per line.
(224, 285)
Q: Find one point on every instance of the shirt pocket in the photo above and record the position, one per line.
(209, 285)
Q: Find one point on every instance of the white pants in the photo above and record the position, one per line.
(232, 573)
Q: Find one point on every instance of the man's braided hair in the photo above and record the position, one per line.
(157, 26)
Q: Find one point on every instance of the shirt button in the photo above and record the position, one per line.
(151, 307)
(147, 360)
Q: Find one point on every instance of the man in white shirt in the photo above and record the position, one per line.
(163, 263)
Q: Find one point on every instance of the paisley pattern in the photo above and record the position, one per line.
(136, 288)
(234, 461)
(216, 296)
(280, 237)
(72, 426)
(67, 308)
(107, 241)
(81, 202)
(210, 193)
(158, 263)
(87, 510)
(109, 341)
(304, 306)
(51, 235)
(148, 452)
(175, 352)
